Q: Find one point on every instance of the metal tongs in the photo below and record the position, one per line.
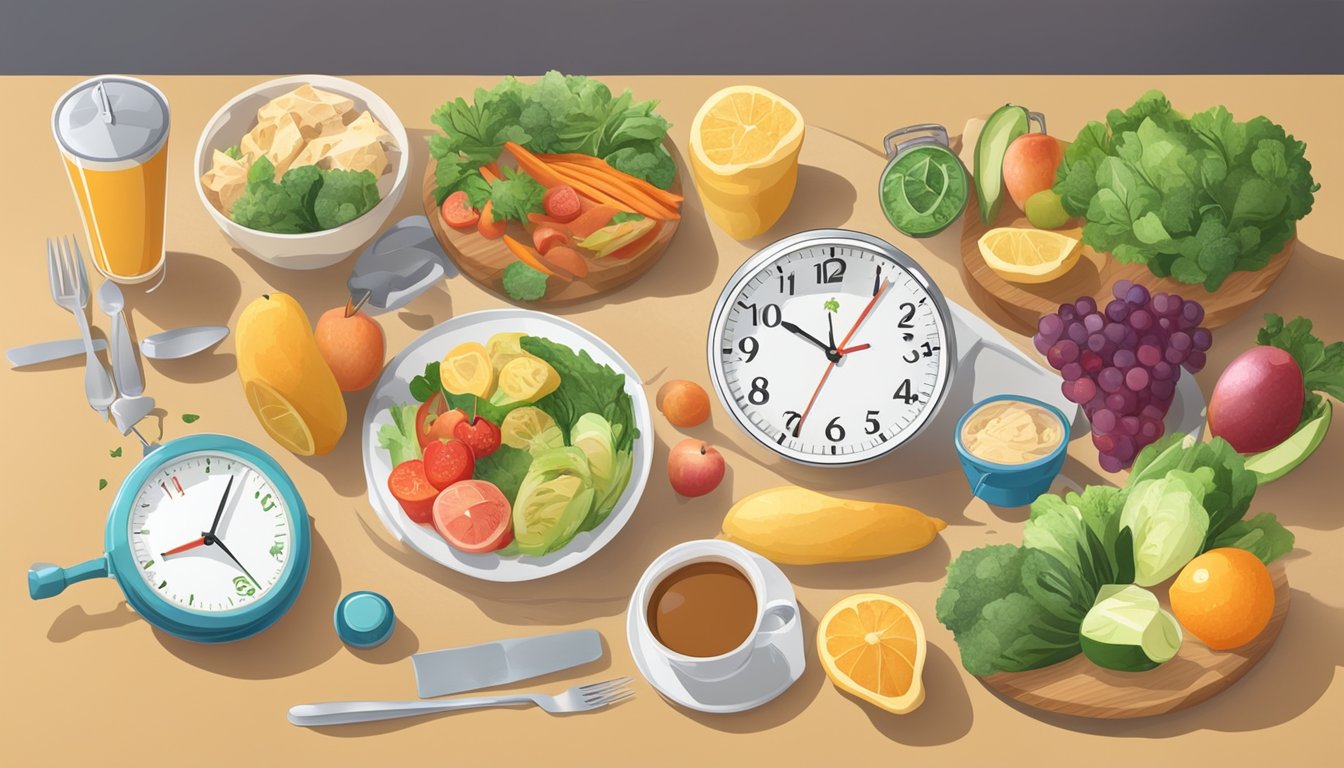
(404, 262)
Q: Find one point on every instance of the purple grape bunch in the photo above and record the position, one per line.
(1121, 362)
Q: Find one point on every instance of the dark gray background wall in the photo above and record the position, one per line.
(671, 36)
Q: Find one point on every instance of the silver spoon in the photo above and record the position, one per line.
(132, 406)
(182, 342)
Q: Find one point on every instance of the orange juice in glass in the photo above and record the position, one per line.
(113, 135)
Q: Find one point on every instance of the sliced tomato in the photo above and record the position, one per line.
(473, 516)
(480, 435)
(448, 462)
(411, 488)
(561, 202)
(457, 211)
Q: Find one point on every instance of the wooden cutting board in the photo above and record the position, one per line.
(1079, 687)
(1021, 306)
(483, 260)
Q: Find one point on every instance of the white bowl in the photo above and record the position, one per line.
(312, 250)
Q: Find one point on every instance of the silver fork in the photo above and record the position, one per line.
(578, 699)
(70, 290)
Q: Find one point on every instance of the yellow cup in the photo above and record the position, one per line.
(113, 135)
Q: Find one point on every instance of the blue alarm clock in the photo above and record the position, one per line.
(208, 538)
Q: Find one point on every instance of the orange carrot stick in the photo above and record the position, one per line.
(670, 199)
(533, 166)
(527, 256)
(617, 188)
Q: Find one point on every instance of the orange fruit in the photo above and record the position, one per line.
(1224, 597)
(872, 646)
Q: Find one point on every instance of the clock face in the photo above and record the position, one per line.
(175, 551)
(831, 349)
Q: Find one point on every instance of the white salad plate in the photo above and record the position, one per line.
(393, 388)
(768, 673)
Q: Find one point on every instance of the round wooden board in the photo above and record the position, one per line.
(483, 260)
(1080, 688)
(1021, 306)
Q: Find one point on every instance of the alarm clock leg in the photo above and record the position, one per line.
(47, 580)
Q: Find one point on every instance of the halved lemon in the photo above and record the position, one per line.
(504, 347)
(1030, 256)
(872, 646)
(279, 418)
(466, 370)
(743, 126)
(530, 429)
(525, 379)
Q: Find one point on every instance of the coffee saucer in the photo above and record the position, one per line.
(769, 672)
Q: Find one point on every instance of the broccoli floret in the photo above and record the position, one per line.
(523, 282)
(975, 579)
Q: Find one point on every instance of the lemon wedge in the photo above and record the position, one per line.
(1030, 256)
(872, 646)
(279, 418)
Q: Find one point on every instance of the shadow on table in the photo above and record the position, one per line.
(945, 716)
(1292, 677)
(343, 466)
(76, 620)
(302, 639)
(401, 645)
(197, 290)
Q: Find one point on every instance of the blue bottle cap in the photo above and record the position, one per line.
(364, 619)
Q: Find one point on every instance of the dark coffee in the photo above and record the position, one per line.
(703, 609)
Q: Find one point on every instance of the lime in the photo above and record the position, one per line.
(1278, 461)
(924, 190)
(1128, 631)
(1046, 211)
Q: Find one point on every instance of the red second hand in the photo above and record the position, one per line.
(798, 428)
(189, 545)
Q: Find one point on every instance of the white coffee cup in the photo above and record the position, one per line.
(773, 617)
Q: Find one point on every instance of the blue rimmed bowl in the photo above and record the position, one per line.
(1011, 485)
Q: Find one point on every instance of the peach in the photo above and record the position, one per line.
(1029, 165)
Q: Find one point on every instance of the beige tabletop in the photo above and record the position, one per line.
(86, 680)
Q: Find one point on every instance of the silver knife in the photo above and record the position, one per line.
(45, 352)
(455, 670)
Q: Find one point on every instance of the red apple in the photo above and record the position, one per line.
(694, 468)
(1029, 165)
(1257, 402)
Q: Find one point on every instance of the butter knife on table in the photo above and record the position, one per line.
(45, 352)
(456, 670)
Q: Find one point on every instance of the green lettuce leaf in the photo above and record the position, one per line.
(398, 438)
(585, 387)
(506, 468)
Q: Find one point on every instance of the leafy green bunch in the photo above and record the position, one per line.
(1193, 198)
(556, 114)
(1013, 608)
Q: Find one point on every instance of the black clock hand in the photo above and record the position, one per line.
(795, 330)
(218, 542)
(830, 328)
(220, 512)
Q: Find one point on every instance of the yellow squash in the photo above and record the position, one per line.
(795, 526)
(285, 379)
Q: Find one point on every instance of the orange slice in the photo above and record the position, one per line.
(872, 646)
